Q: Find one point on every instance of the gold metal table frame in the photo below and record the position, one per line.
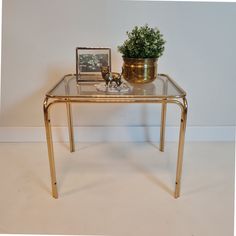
(164, 90)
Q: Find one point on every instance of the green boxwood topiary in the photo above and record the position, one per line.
(143, 42)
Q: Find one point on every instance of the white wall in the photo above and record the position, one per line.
(38, 47)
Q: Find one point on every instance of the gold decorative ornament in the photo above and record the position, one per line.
(110, 77)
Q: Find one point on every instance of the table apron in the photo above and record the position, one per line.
(128, 101)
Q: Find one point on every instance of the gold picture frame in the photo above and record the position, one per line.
(89, 62)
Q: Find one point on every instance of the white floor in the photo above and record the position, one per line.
(117, 189)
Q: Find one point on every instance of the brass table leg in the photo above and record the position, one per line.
(181, 147)
(50, 148)
(70, 127)
(163, 126)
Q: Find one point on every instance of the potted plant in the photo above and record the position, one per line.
(140, 54)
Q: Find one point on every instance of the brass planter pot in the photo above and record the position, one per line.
(140, 70)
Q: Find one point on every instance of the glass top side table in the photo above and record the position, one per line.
(163, 90)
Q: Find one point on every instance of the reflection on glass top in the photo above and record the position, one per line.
(163, 86)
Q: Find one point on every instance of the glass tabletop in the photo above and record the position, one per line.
(162, 87)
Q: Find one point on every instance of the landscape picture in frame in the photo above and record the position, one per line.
(90, 60)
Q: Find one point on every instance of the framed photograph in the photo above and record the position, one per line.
(90, 60)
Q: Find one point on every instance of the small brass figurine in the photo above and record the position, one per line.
(112, 79)
(113, 82)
